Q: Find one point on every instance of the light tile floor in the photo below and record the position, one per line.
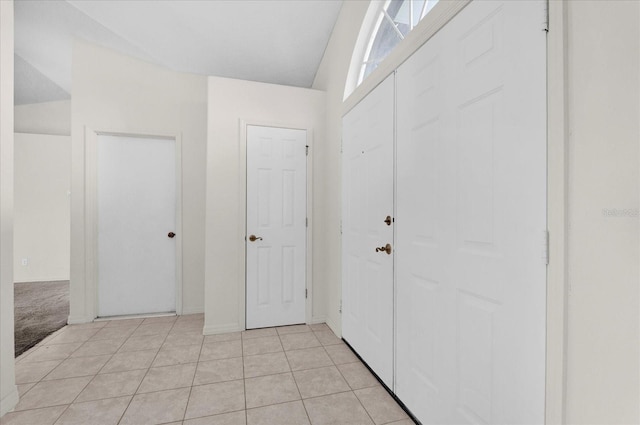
(161, 370)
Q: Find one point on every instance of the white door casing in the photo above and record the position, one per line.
(471, 219)
(276, 216)
(367, 273)
(136, 209)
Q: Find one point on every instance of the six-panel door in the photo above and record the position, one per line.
(470, 228)
(276, 226)
(367, 269)
(471, 219)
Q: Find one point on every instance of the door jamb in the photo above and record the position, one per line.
(557, 207)
(242, 211)
(91, 212)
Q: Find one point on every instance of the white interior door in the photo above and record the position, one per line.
(367, 272)
(471, 215)
(276, 226)
(136, 212)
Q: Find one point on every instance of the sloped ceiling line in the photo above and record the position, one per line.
(147, 54)
(32, 86)
(272, 41)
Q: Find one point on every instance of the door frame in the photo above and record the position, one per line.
(91, 211)
(242, 211)
(557, 214)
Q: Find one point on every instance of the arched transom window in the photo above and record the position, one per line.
(395, 20)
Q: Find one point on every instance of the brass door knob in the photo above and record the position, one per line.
(254, 238)
(386, 248)
(171, 235)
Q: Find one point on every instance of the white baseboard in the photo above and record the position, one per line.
(9, 402)
(333, 327)
(318, 319)
(41, 279)
(186, 311)
(77, 320)
(221, 329)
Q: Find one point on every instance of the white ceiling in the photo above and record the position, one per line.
(273, 41)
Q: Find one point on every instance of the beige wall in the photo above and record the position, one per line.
(44, 118)
(603, 103)
(8, 390)
(41, 228)
(231, 101)
(42, 180)
(331, 78)
(113, 92)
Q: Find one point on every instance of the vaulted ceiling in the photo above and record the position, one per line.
(273, 41)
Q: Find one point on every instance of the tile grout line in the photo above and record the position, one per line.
(365, 409)
(93, 375)
(193, 380)
(352, 390)
(209, 416)
(90, 380)
(244, 382)
(58, 365)
(296, 382)
(147, 372)
(172, 328)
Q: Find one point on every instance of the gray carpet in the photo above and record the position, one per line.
(41, 308)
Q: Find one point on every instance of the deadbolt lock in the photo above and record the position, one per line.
(388, 220)
(386, 248)
(171, 235)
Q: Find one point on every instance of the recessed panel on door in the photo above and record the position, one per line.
(276, 226)
(136, 225)
(367, 229)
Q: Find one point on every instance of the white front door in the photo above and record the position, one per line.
(276, 226)
(136, 213)
(367, 227)
(471, 216)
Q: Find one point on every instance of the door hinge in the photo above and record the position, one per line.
(306, 222)
(340, 226)
(306, 150)
(545, 27)
(340, 309)
(545, 254)
(306, 293)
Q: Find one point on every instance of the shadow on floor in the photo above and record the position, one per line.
(41, 308)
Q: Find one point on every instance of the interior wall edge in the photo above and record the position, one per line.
(78, 320)
(318, 319)
(52, 118)
(198, 310)
(9, 401)
(8, 391)
(556, 215)
(220, 329)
